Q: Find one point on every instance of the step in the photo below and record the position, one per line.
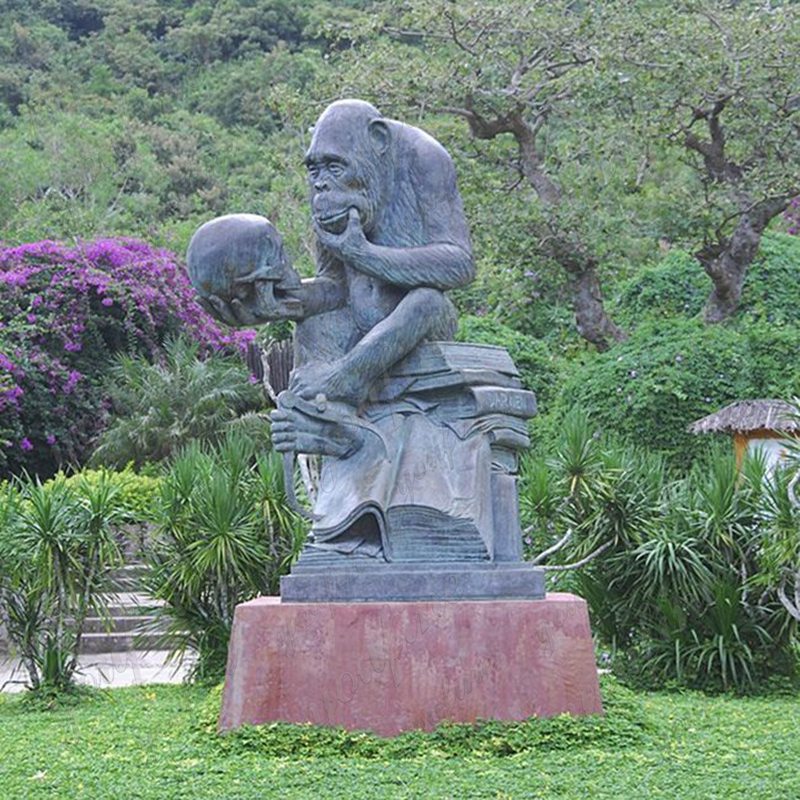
(120, 642)
(123, 604)
(125, 623)
(129, 576)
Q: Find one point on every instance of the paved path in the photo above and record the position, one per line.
(107, 670)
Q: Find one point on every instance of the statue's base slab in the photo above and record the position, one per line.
(400, 581)
(391, 667)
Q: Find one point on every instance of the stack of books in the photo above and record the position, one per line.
(472, 388)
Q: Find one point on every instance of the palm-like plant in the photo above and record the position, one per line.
(692, 567)
(159, 407)
(224, 536)
(57, 550)
(779, 553)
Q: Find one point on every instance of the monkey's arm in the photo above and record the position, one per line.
(440, 265)
(267, 304)
(321, 294)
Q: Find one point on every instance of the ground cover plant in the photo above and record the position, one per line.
(150, 742)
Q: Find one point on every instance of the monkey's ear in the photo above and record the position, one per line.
(379, 135)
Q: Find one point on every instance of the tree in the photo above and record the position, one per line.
(720, 81)
(521, 70)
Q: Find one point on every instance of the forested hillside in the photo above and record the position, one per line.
(628, 168)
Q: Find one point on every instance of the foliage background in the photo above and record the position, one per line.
(121, 119)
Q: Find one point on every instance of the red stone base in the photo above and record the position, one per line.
(391, 667)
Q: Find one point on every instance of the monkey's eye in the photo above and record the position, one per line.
(336, 169)
(313, 171)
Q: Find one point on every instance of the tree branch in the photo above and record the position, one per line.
(554, 548)
(792, 607)
(582, 562)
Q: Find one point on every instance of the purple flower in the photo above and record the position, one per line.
(51, 440)
(25, 444)
(72, 381)
(14, 278)
(107, 301)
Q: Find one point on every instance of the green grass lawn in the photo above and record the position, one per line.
(151, 742)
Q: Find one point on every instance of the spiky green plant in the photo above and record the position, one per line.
(224, 535)
(691, 567)
(57, 550)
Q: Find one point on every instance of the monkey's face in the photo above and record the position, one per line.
(344, 172)
(338, 184)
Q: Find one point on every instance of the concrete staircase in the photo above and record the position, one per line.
(130, 611)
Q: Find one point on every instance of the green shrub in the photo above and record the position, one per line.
(224, 535)
(674, 371)
(57, 549)
(771, 291)
(675, 286)
(135, 494)
(686, 588)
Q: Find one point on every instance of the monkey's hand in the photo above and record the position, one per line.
(256, 302)
(350, 244)
(336, 381)
(294, 431)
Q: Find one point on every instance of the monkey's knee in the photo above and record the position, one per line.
(436, 313)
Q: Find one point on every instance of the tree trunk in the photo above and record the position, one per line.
(727, 271)
(726, 262)
(591, 319)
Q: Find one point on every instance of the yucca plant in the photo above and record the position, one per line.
(779, 553)
(57, 550)
(691, 568)
(592, 495)
(224, 535)
(728, 639)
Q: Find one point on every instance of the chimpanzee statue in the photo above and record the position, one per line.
(419, 435)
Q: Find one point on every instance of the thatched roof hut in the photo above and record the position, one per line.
(748, 416)
(754, 423)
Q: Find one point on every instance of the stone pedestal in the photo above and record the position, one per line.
(328, 581)
(396, 666)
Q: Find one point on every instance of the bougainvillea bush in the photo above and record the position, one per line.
(65, 311)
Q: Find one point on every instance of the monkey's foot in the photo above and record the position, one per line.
(294, 430)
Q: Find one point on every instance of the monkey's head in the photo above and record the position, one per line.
(348, 165)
